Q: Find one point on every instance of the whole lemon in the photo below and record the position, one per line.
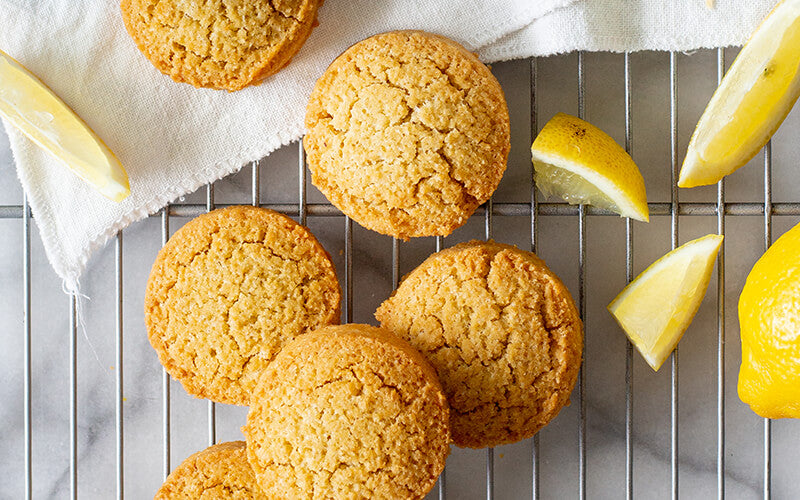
(769, 319)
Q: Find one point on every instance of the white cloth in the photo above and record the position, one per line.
(631, 25)
(173, 138)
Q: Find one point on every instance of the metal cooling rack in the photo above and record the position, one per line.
(303, 210)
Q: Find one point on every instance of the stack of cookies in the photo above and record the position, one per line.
(408, 133)
(242, 307)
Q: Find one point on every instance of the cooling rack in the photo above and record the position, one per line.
(88, 412)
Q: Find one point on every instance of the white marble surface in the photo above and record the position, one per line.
(558, 244)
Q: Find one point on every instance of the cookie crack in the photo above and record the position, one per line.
(215, 36)
(451, 175)
(275, 10)
(540, 315)
(345, 373)
(230, 298)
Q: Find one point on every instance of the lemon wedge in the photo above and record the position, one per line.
(656, 308)
(580, 163)
(752, 101)
(35, 110)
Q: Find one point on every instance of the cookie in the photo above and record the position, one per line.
(407, 133)
(347, 411)
(502, 332)
(220, 472)
(220, 44)
(228, 290)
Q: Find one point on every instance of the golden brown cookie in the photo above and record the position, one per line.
(407, 133)
(220, 472)
(221, 44)
(347, 411)
(502, 332)
(228, 290)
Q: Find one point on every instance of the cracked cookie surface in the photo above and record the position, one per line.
(218, 472)
(502, 332)
(228, 290)
(348, 411)
(407, 133)
(221, 44)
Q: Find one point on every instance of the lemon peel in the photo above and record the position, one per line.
(769, 321)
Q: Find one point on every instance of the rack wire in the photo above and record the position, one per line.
(674, 209)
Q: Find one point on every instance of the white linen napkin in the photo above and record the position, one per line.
(173, 138)
(631, 25)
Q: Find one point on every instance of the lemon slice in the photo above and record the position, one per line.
(35, 110)
(657, 307)
(580, 163)
(752, 101)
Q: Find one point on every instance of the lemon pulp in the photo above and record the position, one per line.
(35, 110)
(573, 188)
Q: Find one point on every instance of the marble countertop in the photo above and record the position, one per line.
(605, 394)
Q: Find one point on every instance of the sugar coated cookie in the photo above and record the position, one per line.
(221, 44)
(228, 290)
(348, 411)
(502, 332)
(407, 133)
(220, 472)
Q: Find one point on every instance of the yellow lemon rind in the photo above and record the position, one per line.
(769, 313)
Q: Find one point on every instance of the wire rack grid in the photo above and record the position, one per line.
(542, 462)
